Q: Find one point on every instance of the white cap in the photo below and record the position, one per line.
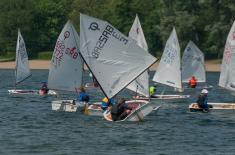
(204, 91)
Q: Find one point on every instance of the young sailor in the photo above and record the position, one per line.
(192, 82)
(202, 100)
(106, 103)
(152, 90)
(82, 95)
(120, 111)
(44, 89)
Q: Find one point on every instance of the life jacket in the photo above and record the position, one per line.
(193, 82)
(152, 90)
(107, 102)
(84, 97)
(201, 100)
(118, 109)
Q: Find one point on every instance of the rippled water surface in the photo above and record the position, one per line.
(29, 126)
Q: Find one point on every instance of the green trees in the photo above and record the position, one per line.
(206, 22)
(14, 14)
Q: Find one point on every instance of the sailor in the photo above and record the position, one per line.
(44, 89)
(107, 102)
(202, 100)
(120, 111)
(193, 82)
(95, 83)
(82, 95)
(152, 90)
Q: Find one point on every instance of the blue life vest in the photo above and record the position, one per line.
(83, 97)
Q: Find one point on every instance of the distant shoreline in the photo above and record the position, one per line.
(211, 65)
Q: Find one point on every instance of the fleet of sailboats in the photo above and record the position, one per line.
(118, 62)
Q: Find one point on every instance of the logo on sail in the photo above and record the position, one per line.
(94, 26)
(170, 54)
(66, 34)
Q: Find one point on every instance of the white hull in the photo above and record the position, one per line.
(208, 87)
(29, 92)
(164, 97)
(94, 109)
(143, 108)
(67, 105)
(213, 106)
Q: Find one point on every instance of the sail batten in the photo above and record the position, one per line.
(168, 71)
(114, 59)
(193, 63)
(227, 75)
(66, 64)
(22, 71)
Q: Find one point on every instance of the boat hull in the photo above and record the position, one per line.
(208, 87)
(164, 97)
(94, 109)
(141, 109)
(67, 105)
(213, 106)
(29, 92)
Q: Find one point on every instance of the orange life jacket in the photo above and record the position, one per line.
(193, 82)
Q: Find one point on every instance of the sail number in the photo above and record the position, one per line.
(72, 52)
(108, 32)
(58, 54)
(170, 55)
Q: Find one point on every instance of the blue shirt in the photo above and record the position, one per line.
(83, 97)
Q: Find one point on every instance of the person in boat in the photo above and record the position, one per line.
(152, 90)
(95, 83)
(120, 111)
(107, 103)
(82, 95)
(202, 100)
(192, 82)
(44, 89)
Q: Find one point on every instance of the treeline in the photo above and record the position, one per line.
(206, 22)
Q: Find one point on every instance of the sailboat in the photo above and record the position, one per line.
(22, 70)
(66, 68)
(227, 74)
(193, 65)
(168, 71)
(114, 60)
(141, 84)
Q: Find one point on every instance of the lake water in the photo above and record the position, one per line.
(29, 126)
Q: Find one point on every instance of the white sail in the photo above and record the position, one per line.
(168, 71)
(141, 84)
(227, 75)
(193, 63)
(114, 59)
(66, 64)
(22, 64)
